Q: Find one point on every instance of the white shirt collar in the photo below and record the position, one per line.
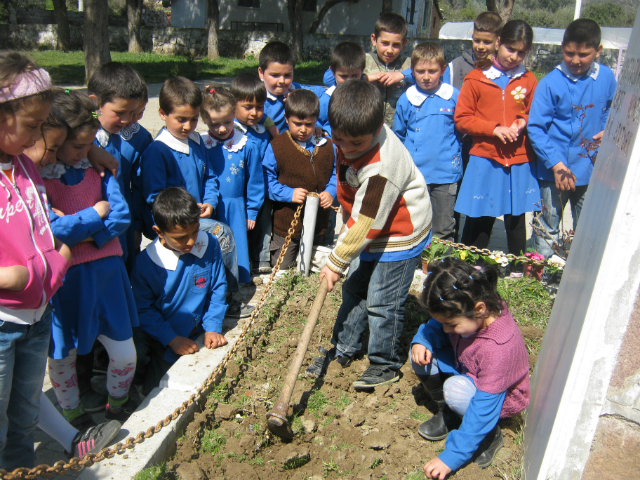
(493, 73)
(329, 91)
(128, 132)
(176, 144)
(417, 97)
(592, 72)
(257, 127)
(233, 144)
(315, 141)
(271, 96)
(56, 170)
(103, 137)
(168, 259)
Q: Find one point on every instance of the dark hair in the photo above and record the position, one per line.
(174, 206)
(392, 23)
(77, 110)
(356, 108)
(426, 52)
(114, 80)
(276, 52)
(514, 31)
(348, 55)
(216, 97)
(489, 22)
(13, 64)
(302, 103)
(247, 87)
(55, 119)
(179, 91)
(453, 288)
(583, 31)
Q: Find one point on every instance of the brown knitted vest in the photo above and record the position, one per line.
(296, 170)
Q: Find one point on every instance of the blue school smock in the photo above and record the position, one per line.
(180, 294)
(274, 105)
(170, 162)
(258, 134)
(554, 122)
(136, 139)
(424, 124)
(323, 118)
(96, 297)
(240, 184)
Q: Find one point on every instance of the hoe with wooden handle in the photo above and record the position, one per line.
(277, 419)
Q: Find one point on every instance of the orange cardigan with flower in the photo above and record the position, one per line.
(483, 105)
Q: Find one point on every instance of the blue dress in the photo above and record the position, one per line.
(237, 166)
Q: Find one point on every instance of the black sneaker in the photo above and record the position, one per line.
(261, 268)
(344, 360)
(92, 401)
(123, 412)
(94, 439)
(239, 309)
(374, 376)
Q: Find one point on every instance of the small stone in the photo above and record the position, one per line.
(371, 401)
(308, 424)
(357, 420)
(271, 350)
(190, 471)
(225, 412)
(377, 441)
(256, 280)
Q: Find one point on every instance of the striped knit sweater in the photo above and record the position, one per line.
(386, 199)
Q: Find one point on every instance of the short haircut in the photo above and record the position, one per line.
(247, 87)
(302, 103)
(13, 64)
(356, 108)
(179, 91)
(276, 52)
(216, 98)
(489, 22)
(392, 23)
(583, 31)
(116, 80)
(77, 110)
(427, 52)
(348, 55)
(174, 206)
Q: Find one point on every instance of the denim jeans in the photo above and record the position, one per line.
(23, 358)
(227, 242)
(554, 201)
(443, 199)
(374, 293)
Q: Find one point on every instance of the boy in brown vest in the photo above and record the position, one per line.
(297, 163)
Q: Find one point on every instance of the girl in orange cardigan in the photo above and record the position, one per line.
(493, 107)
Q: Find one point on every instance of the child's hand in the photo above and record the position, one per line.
(506, 134)
(598, 136)
(273, 131)
(326, 200)
(103, 208)
(183, 346)
(374, 77)
(435, 468)
(420, 355)
(565, 179)
(14, 278)
(214, 340)
(391, 78)
(318, 132)
(251, 224)
(299, 194)
(59, 213)
(100, 160)
(331, 276)
(206, 210)
(518, 126)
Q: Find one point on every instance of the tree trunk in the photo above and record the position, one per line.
(134, 24)
(96, 36)
(64, 34)
(213, 23)
(504, 8)
(323, 11)
(387, 6)
(297, 34)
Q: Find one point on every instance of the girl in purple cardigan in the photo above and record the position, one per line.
(471, 358)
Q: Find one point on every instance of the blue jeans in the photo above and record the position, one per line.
(374, 293)
(227, 242)
(554, 201)
(23, 358)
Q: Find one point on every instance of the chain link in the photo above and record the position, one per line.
(485, 252)
(76, 464)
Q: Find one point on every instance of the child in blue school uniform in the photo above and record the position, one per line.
(557, 130)
(89, 213)
(236, 163)
(179, 286)
(424, 116)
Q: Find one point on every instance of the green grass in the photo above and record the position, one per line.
(528, 301)
(417, 475)
(212, 442)
(317, 401)
(416, 415)
(153, 473)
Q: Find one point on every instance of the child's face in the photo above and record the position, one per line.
(352, 146)
(388, 45)
(427, 74)
(221, 122)
(119, 113)
(344, 74)
(182, 121)
(277, 77)
(180, 239)
(579, 58)
(138, 112)
(302, 129)
(20, 130)
(44, 151)
(484, 44)
(249, 112)
(76, 147)
(460, 325)
(511, 55)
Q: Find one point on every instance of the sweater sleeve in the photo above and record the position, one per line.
(543, 110)
(254, 186)
(465, 114)
(277, 191)
(73, 229)
(217, 304)
(119, 218)
(431, 335)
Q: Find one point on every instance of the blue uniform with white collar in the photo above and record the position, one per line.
(274, 106)
(258, 134)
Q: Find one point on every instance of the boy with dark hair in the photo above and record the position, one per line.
(569, 110)
(424, 116)
(297, 163)
(388, 223)
(179, 286)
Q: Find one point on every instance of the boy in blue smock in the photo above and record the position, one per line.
(179, 286)
(578, 86)
(423, 121)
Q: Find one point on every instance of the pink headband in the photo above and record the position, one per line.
(25, 84)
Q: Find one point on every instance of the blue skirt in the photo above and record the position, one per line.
(96, 299)
(490, 190)
(232, 211)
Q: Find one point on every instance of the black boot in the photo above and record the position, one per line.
(438, 426)
(489, 447)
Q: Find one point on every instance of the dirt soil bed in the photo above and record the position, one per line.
(338, 432)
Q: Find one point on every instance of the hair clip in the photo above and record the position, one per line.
(96, 114)
(441, 299)
(67, 90)
(455, 288)
(212, 90)
(470, 277)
